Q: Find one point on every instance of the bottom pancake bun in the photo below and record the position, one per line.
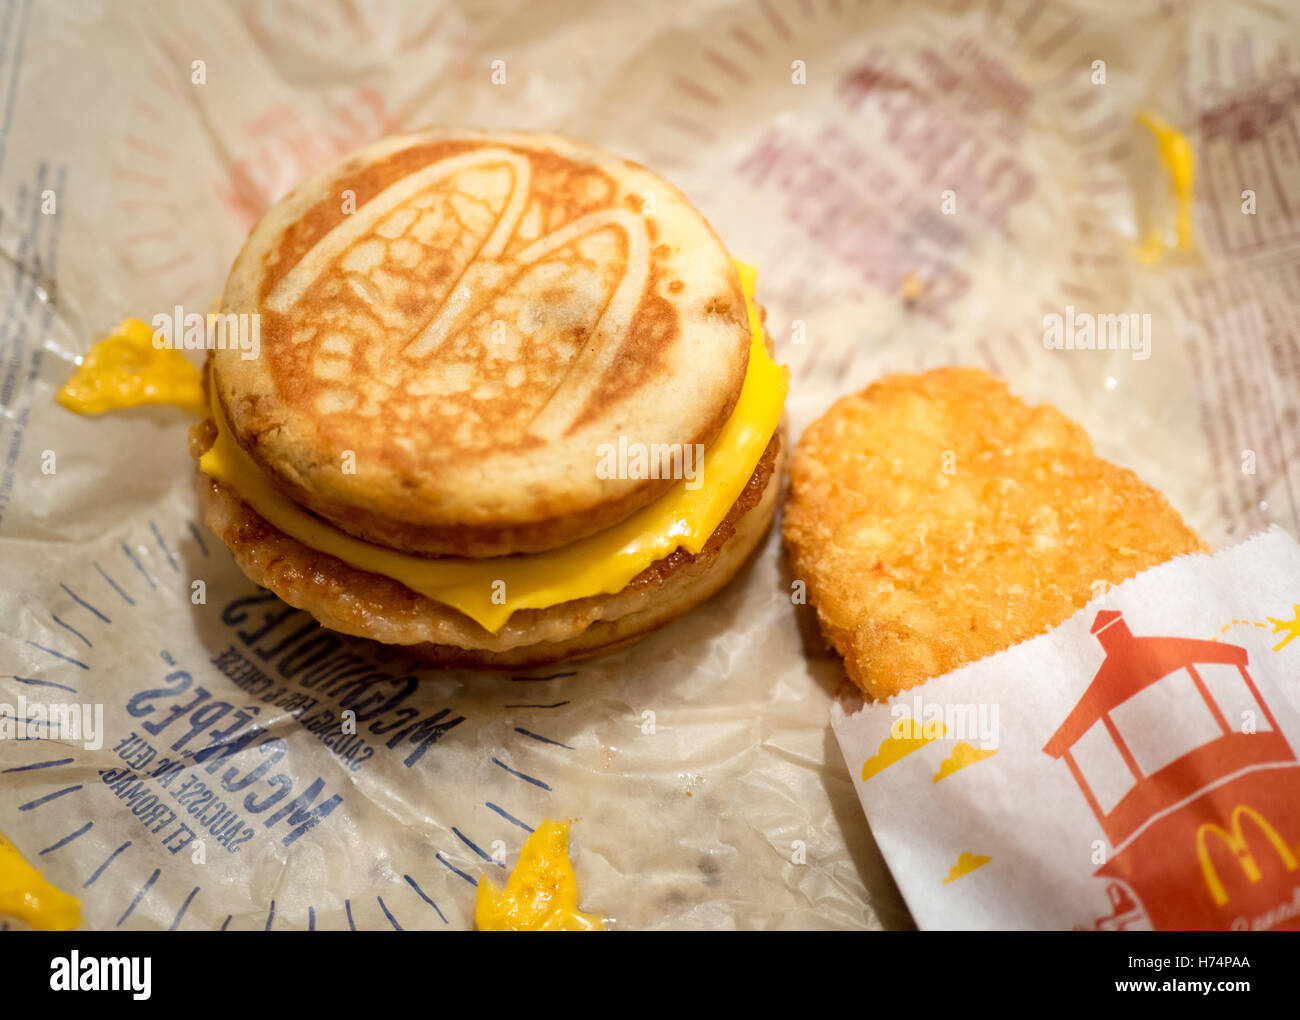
(354, 601)
(937, 519)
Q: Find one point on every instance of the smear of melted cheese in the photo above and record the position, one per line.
(26, 896)
(126, 370)
(541, 894)
(1180, 163)
(599, 564)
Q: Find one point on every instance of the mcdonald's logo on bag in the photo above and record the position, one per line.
(1183, 791)
(1236, 843)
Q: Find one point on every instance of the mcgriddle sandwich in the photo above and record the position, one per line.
(513, 401)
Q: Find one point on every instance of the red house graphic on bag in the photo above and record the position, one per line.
(1192, 781)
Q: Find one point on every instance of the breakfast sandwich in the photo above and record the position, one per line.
(936, 519)
(511, 401)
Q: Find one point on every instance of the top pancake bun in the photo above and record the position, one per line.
(452, 325)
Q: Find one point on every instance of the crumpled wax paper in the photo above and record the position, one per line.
(918, 184)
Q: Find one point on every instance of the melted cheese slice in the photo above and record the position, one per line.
(490, 590)
(541, 894)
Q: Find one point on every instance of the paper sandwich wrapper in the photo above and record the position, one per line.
(705, 784)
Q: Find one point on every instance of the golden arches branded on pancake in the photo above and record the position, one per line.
(512, 402)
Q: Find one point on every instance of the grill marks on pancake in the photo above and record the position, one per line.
(365, 181)
(340, 353)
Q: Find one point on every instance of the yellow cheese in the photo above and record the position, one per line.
(126, 370)
(541, 894)
(1180, 163)
(490, 590)
(25, 895)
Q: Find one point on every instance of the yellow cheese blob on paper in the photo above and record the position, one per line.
(126, 370)
(27, 897)
(1179, 161)
(541, 893)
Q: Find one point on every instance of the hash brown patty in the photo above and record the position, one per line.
(937, 519)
